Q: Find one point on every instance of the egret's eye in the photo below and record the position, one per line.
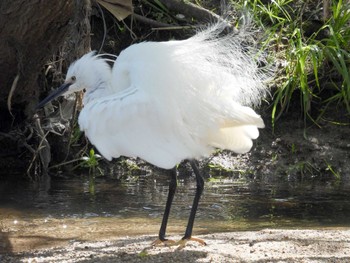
(73, 78)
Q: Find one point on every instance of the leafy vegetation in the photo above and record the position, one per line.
(312, 50)
(90, 161)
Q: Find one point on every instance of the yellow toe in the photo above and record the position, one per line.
(162, 243)
(183, 242)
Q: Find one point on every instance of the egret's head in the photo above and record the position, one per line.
(84, 74)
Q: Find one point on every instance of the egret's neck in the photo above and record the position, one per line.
(100, 89)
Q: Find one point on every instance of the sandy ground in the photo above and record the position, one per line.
(328, 245)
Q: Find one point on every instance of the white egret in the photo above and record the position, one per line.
(168, 101)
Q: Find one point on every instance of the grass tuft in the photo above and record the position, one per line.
(312, 51)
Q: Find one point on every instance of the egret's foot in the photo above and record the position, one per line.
(182, 243)
(163, 243)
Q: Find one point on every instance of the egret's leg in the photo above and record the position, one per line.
(199, 190)
(171, 193)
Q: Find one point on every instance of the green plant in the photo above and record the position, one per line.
(309, 59)
(90, 161)
(334, 173)
(304, 168)
(337, 50)
(303, 59)
(293, 148)
(143, 254)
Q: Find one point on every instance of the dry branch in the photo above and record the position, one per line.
(190, 10)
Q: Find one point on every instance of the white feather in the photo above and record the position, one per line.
(169, 101)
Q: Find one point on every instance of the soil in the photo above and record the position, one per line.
(296, 151)
(248, 246)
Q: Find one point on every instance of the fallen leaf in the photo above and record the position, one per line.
(120, 9)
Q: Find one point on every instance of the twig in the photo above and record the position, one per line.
(43, 148)
(65, 163)
(191, 10)
(132, 34)
(12, 90)
(174, 28)
(149, 21)
(104, 28)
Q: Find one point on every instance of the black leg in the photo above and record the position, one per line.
(199, 190)
(171, 193)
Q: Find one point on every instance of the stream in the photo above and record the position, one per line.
(76, 207)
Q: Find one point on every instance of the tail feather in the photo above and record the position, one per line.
(237, 139)
(238, 131)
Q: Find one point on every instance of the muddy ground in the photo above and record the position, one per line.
(296, 151)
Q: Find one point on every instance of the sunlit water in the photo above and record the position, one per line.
(33, 216)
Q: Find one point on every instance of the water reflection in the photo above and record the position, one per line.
(226, 200)
(69, 209)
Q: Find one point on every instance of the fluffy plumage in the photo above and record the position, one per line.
(169, 101)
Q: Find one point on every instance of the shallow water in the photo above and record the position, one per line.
(71, 208)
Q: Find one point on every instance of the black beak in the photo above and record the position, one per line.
(62, 89)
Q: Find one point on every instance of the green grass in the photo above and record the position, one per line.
(315, 58)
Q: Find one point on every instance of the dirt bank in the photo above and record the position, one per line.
(327, 245)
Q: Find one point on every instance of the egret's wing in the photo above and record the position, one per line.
(132, 123)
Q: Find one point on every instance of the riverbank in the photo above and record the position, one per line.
(268, 245)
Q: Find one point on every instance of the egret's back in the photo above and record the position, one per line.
(178, 99)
